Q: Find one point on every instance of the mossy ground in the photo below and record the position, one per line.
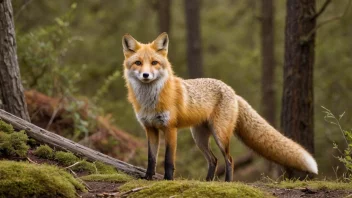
(65, 158)
(117, 177)
(44, 151)
(294, 184)
(104, 168)
(6, 128)
(21, 179)
(12, 144)
(190, 188)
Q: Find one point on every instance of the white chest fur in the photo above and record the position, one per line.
(147, 95)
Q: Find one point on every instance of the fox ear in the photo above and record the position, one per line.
(129, 44)
(161, 43)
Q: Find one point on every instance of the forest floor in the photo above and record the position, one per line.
(121, 185)
(111, 189)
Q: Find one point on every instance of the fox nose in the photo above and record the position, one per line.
(145, 75)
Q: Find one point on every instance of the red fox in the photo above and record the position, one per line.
(164, 102)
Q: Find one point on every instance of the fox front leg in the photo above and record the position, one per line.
(153, 147)
(170, 153)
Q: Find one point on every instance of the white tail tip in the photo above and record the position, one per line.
(310, 163)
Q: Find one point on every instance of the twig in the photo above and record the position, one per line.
(22, 8)
(307, 38)
(72, 165)
(54, 114)
(335, 171)
(96, 169)
(133, 190)
(105, 194)
(84, 183)
(322, 9)
(29, 159)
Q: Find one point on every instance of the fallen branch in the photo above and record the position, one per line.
(52, 139)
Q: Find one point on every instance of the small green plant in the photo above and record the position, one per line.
(65, 158)
(346, 154)
(32, 142)
(6, 128)
(13, 144)
(42, 54)
(81, 126)
(44, 151)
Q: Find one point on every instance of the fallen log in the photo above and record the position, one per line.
(52, 139)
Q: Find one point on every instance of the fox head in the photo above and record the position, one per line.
(146, 62)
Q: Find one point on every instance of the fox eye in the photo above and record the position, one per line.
(138, 63)
(154, 62)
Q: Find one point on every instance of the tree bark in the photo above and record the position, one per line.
(52, 139)
(164, 15)
(268, 100)
(297, 100)
(194, 45)
(11, 89)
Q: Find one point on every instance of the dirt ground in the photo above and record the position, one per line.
(295, 193)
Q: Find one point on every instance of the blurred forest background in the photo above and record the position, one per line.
(71, 50)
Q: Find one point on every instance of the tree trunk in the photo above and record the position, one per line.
(297, 99)
(268, 100)
(11, 89)
(194, 47)
(164, 15)
(61, 143)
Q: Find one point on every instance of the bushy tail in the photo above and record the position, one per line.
(256, 133)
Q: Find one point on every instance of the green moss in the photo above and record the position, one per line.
(32, 142)
(85, 166)
(21, 179)
(65, 158)
(104, 168)
(184, 188)
(291, 184)
(6, 128)
(44, 151)
(117, 177)
(14, 144)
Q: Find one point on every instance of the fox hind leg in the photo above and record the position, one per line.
(222, 132)
(201, 135)
(224, 145)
